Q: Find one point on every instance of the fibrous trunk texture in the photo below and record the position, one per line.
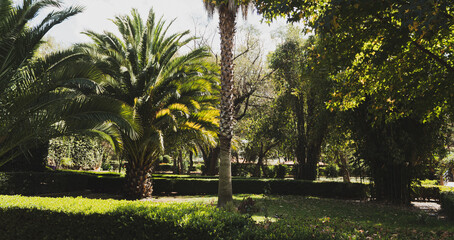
(138, 181)
(227, 27)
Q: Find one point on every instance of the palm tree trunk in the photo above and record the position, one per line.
(227, 30)
(138, 181)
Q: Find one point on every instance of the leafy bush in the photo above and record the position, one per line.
(447, 203)
(79, 218)
(165, 167)
(106, 166)
(280, 171)
(425, 193)
(242, 169)
(71, 218)
(330, 170)
(78, 152)
(32, 183)
(195, 186)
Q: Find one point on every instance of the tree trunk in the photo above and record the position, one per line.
(257, 171)
(227, 24)
(344, 167)
(180, 162)
(313, 157)
(138, 181)
(213, 159)
(210, 161)
(175, 166)
(191, 162)
(301, 154)
(392, 184)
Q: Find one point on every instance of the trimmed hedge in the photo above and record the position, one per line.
(32, 183)
(79, 218)
(447, 203)
(53, 182)
(420, 193)
(185, 186)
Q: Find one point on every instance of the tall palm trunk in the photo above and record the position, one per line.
(227, 30)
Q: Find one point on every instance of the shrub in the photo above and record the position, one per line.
(280, 171)
(32, 183)
(195, 186)
(165, 167)
(421, 193)
(330, 170)
(78, 152)
(71, 218)
(447, 203)
(243, 169)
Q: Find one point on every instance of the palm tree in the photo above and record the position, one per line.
(41, 98)
(227, 10)
(169, 91)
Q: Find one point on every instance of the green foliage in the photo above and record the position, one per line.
(280, 170)
(28, 183)
(54, 182)
(173, 93)
(66, 162)
(47, 96)
(292, 217)
(110, 219)
(84, 153)
(420, 193)
(194, 186)
(247, 205)
(330, 170)
(302, 84)
(447, 203)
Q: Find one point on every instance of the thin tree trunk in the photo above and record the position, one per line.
(227, 31)
(301, 153)
(344, 167)
(191, 162)
(180, 162)
(213, 158)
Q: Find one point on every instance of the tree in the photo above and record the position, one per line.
(47, 96)
(396, 79)
(303, 86)
(171, 92)
(407, 39)
(227, 10)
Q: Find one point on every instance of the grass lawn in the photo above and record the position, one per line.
(346, 219)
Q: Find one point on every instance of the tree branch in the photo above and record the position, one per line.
(433, 56)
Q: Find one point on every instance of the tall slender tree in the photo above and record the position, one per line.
(227, 10)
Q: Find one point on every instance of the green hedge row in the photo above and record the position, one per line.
(420, 193)
(27, 183)
(187, 186)
(447, 203)
(32, 183)
(80, 218)
(51, 182)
